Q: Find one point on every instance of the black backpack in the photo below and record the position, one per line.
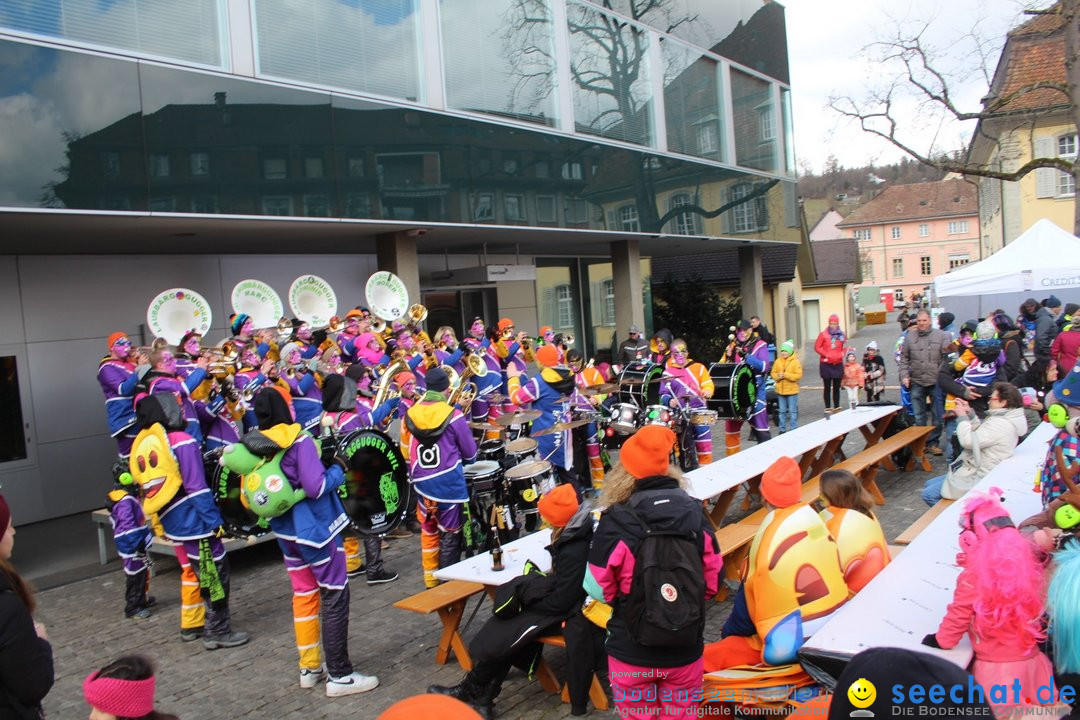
(666, 603)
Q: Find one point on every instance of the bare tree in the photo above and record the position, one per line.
(920, 75)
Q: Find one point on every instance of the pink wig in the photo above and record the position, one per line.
(1006, 568)
(369, 356)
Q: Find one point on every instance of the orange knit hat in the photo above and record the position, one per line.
(429, 706)
(114, 337)
(505, 323)
(781, 483)
(559, 505)
(648, 451)
(548, 356)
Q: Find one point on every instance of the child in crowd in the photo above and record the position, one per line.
(999, 600)
(874, 365)
(786, 373)
(851, 521)
(123, 690)
(1065, 618)
(854, 377)
(132, 537)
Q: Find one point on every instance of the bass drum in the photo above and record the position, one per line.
(225, 487)
(376, 489)
(639, 383)
(734, 391)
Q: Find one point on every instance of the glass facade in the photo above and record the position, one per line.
(757, 118)
(692, 102)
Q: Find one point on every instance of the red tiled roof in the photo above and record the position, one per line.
(918, 201)
(1034, 52)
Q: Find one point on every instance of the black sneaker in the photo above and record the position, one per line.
(192, 634)
(358, 571)
(236, 638)
(383, 576)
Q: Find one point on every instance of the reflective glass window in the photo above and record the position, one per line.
(789, 131)
(691, 101)
(368, 46)
(755, 121)
(499, 57)
(190, 30)
(687, 223)
(609, 68)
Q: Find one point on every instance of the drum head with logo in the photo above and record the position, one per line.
(376, 481)
(225, 487)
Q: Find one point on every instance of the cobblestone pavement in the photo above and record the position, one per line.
(260, 680)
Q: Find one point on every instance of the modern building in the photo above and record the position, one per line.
(1026, 116)
(907, 234)
(504, 157)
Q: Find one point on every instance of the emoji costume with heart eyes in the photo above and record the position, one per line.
(863, 550)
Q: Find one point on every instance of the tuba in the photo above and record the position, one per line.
(386, 380)
(416, 314)
(464, 392)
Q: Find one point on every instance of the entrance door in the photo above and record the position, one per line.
(813, 318)
(457, 308)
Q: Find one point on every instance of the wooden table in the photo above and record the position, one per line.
(815, 445)
(477, 568)
(907, 599)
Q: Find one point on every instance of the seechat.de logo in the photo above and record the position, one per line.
(861, 694)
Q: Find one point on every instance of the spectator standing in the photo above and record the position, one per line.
(1040, 323)
(786, 373)
(123, 689)
(635, 348)
(1012, 346)
(903, 318)
(854, 377)
(1066, 346)
(26, 658)
(830, 349)
(947, 322)
(1066, 320)
(762, 330)
(921, 355)
(874, 365)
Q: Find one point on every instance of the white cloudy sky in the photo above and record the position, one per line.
(826, 39)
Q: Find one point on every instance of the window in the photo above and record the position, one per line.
(766, 124)
(958, 227)
(510, 166)
(577, 211)
(686, 223)
(747, 216)
(313, 168)
(572, 171)
(204, 204)
(924, 230)
(358, 205)
(316, 206)
(628, 218)
(200, 164)
(1067, 145)
(862, 234)
(355, 167)
(1066, 183)
(277, 205)
(958, 260)
(898, 267)
(515, 207)
(542, 169)
(895, 232)
(159, 165)
(607, 289)
(898, 295)
(110, 164)
(162, 204)
(545, 208)
(12, 432)
(564, 306)
(708, 142)
(485, 207)
(924, 265)
(867, 270)
(275, 169)
(114, 203)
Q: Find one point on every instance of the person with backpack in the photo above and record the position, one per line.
(656, 560)
(1011, 344)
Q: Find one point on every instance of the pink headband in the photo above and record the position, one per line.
(123, 698)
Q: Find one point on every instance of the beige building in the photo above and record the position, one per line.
(1031, 124)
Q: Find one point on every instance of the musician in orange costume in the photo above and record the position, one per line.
(688, 384)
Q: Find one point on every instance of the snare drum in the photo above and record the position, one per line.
(735, 391)
(518, 450)
(225, 487)
(589, 415)
(701, 416)
(527, 482)
(624, 418)
(656, 415)
(484, 477)
(490, 450)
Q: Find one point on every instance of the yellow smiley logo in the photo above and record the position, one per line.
(862, 693)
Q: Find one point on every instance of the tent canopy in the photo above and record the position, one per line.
(1042, 261)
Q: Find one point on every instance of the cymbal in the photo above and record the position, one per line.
(559, 427)
(638, 381)
(601, 389)
(485, 426)
(496, 398)
(521, 416)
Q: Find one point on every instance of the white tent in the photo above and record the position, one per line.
(1043, 261)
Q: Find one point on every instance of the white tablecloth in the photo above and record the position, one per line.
(478, 567)
(711, 480)
(908, 598)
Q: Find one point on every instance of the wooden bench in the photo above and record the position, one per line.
(866, 464)
(919, 525)
(162, 546)
(550, 683)
(449, 600)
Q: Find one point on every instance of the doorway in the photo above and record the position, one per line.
(457, 308)
(812, 309)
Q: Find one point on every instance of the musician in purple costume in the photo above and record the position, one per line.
(191, 519)
(305, 340)
(349, 340)
(477, 344)
(440, 443)
(546, 391)
(164, 378)
(309, 534)
(118, 376)
(253, 373)
(242, 328)
(188, 352)
(132, 537)
(448, 351)
(747, 347)
(306, 392)
(219, 426)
